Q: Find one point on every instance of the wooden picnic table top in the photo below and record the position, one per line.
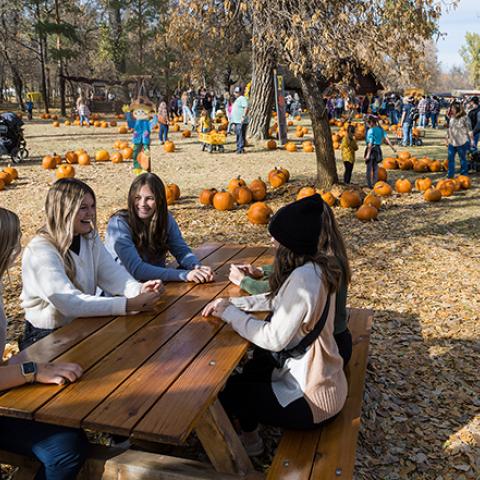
(148, 376)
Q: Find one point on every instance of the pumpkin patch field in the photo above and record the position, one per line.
(415, 259)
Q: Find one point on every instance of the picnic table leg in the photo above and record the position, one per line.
(221, 442)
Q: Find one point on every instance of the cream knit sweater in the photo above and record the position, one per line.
(51, 300)
(318, 375)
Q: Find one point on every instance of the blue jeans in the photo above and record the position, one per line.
(434, 117)
(423, 120)
(462, 153)
(393, 117)
(407, 134)
(187, 115)
(241, 132)
(163, 135)
(61, 450)
(476, 137)
(84, 118)
(372, 172)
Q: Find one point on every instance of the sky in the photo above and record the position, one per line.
(465, 18)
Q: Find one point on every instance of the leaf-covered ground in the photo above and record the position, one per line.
(417, 267)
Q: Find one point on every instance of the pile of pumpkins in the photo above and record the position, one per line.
(239, 193)
(307, 146)
(342, 132)
(405, 161)
(7, 176)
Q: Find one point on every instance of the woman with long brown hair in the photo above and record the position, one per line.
(61, 450)
(65, 264)
(140, 236)
(295, 378)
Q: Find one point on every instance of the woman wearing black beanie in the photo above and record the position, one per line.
(295, 378)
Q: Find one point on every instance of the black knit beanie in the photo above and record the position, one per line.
(297, 226)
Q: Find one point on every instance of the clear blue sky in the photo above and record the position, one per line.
(455, 23)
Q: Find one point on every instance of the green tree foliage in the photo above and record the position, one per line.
(470, 53)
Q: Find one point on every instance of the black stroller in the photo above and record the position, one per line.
(12, 143)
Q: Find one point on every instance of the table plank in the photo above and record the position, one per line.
(77, 400)
(127, 404)
(23, 401)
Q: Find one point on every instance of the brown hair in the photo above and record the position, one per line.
(150, 238)
(460, 111)
(9, 238)
(331, 258)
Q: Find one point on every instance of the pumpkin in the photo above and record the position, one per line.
(2, 185)
(170, 195)
(127, 153)
(71, 157)
(259, 189)
(175, 190)
(176, 127)
(373, 200)
(307, 147)
(123, 129)
(49, 163)
(456, 185)
(366, 213)
(187, 133)
(405, 164)
(382, 174)
(291, 147)
(420, 166)
(306, 192)
(242, 195)
(116, 157)
(102, 156)
(223, 201)
(123, 144)
(336, 138)
(422, 184)
(329, 198)
(304, 130)
(84, 159)
(104, 124)
(271, 144)
(383, 189)
(445, 165)
(277, 179)
(96, 123)
(169, 146)
(235, 183)
(403, 185)
(113, 123)
(259, 213)
(14, 173)
(336, 145)
(446, 187)
(464, 180)
(404, 155)
(432, 195)
(65, 171)
(56, 124)
(350, 199)
(206, 196)
(67, 123)
(298, 118)
(390, 163)
(6, 178)
(116, 144)
(290, 123)
(435, 166)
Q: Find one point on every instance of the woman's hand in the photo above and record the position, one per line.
(216, 307)
(59, 373)
(152, 286)
(145, 302)
(239, 272)
(200, 274)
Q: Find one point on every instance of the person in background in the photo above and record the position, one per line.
(162, 115)
(474, 117)
(409, 116)
(348, 147)
(240, 118)
(434, 111)
(29, 108)
(422, 112)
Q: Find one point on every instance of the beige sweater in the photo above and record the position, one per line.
(318, 375)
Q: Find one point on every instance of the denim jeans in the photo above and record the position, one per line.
(476, 137)
(241, 132)
(163, 135)
(84, 118)
(393, 117)
(434, 117)
(407, 139)
(422, 120)
(462, 153)
(61, 450)
(187, 115)
(372, 172)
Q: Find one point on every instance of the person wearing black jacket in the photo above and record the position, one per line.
(474, 116)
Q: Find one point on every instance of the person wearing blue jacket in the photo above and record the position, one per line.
(140, 237)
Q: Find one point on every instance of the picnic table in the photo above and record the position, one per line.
(151, 377)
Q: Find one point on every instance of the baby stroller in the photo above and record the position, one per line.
(12, 143)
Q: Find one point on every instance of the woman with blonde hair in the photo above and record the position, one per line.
(65, 264)
(459, 138)
(140, 236)
(61, 450)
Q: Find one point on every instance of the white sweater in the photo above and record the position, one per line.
(51, 300)
(318, 375)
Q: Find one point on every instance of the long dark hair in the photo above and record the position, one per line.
(331, 258)
(150, 237)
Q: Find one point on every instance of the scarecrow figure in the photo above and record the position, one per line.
(138, 118)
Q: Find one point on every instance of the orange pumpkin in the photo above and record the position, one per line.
(14, 173)
(113, 123)
(187, 133)
(403, 185)
(206, 196)
(104, 124)
(223, 201)
(271, 144)
(116, 157)
(67, 123)
(277, 179)
(234, 183)
(329, 198)
(259, 189)
(383, 189)
(446, 187)
(6, 178)
(432, 195)
(2, 185)
(56, 124)
(127, 153)
(435, 166)
(306, 192)
(373, 200)
(390, 163)
(404, 155)
(176, 127)
(242, 195)
(423, 184)
(281, 170)
(382, 174)
(71, 157)
(65, 171)
(405, 164)
(169, 146)
(259, 213)
(420, 166)
(49, 163)
(102, 156)
(84, 159)
(366, 213)
(464, 180)
(307, 147)
(123, 129)
(175, 190)
(350, 199)
(291, 147)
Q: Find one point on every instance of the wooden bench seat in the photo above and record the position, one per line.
(329, 453)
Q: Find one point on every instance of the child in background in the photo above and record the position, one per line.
(205, 122)
(84, 113)
(349, 147)
(163, 121)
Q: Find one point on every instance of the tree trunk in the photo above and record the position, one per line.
(326, 166)
(61, 79)
(261, 93)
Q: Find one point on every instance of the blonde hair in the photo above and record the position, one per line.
(9, 237)
(61, 207)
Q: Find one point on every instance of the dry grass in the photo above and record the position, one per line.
(416, 267)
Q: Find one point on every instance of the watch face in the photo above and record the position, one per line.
(29, 367)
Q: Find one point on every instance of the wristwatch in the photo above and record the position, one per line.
(29, 371)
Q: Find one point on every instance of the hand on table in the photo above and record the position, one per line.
(145, 302)
(152, 286)
(239, 272)
(216, 307)
(59, 373)
(200, 274)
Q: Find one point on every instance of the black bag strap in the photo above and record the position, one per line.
(300, 349)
